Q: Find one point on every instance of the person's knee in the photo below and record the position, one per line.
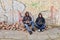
(26, 25)
(37, 26)
(43, 27)
(31, 22)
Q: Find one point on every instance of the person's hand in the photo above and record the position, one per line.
(27, 21)
(41, 23)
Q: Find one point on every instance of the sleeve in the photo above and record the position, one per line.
(43, 20)
(36, 20)
(23, 18)
(30, 19)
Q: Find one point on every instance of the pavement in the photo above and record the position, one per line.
(49, 34)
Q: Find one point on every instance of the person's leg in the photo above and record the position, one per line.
(28, 29)
(37, 25)
(42, 27)
(32, 23)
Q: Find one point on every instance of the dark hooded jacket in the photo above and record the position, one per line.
(25, 18)
(40, 21)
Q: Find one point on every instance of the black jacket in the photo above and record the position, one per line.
(40, 20)
(25, 18)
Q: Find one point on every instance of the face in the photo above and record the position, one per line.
(39, 15)
(27, 14)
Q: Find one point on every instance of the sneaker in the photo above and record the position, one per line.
(30, 32)
(33, 30)
(41, 30)
(38, 30)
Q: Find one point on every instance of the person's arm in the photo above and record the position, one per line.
(36, 20)
(30, 19)
(43, 21)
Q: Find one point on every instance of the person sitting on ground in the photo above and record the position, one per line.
(40, 22)
(27, 20)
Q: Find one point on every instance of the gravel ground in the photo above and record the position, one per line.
(50, 34)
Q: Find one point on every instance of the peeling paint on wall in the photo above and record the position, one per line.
(36, 6)
(10, 9)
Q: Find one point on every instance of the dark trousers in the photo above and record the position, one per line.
(41, 27)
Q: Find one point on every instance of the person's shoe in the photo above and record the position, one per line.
(33, 29)
(38, 30)
(41, 30)
(30, 32)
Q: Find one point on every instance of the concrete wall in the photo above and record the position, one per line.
(49, 9)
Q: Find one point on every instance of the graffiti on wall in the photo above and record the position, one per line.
(48, 8)
(10, 8)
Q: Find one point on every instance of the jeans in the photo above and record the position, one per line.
(41, 27)
(27, 26)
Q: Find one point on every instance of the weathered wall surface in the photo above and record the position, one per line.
(50, 9)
